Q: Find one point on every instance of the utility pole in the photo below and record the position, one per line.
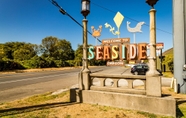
(179, 43)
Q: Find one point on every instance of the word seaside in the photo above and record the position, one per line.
(118, 49)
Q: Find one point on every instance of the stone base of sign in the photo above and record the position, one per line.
(153, 86)
(157, 105)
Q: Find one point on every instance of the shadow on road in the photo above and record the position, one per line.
(19, 110)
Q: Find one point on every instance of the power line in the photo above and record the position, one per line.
(127, 17)
(65, 13)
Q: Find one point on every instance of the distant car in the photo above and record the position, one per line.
(141, 69)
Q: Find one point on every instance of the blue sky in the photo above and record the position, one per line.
(32, 20)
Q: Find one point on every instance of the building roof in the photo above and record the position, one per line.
(169, 51)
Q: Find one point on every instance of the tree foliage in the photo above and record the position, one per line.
(56, 48)
(79, 55)
(19, 50)
(168, 60)
(57, 52)
(49, 45)
(1, 52)
(64, 50)
(52, 52)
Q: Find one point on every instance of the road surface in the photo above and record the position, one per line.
(20, 85)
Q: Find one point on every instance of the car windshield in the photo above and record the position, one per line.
(141, 66)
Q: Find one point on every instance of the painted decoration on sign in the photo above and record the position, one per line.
(118, 19)
(96, 33)
(116, 50)
(136, 29)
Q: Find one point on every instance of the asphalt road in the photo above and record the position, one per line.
(20, 85)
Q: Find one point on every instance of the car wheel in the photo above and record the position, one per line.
(136, 73)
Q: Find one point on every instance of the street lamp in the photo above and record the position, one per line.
(153, 80)
(85, 7)
(85, 70)
(151, 2)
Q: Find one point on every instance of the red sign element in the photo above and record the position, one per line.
(159, 46)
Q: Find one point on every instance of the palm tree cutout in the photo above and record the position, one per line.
(118, 19)
(136, 29)
(96, 33)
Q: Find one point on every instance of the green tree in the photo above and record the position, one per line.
(1, 52)
(59, 50)
(9, 49)
(168, 60)
(25, 52)
(36, 62)
(49, 46)
(78, 56)
(64, 50)
(19, 50)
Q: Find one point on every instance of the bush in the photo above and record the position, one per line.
(35, 62)
(10, 65)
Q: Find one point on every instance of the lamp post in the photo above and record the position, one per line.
(153, 80)
(152, 58)
(85, 70)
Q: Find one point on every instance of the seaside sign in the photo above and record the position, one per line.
(117, 50)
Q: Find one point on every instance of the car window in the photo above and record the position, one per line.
(146, 67)
(139, 66)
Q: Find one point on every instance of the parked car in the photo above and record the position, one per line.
(141, 69)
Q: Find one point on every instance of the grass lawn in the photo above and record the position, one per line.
(58, 106)
(168, 74)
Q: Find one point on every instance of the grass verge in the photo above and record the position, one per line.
(168, 74)
(58, 106)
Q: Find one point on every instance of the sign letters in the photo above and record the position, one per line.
(118, 49)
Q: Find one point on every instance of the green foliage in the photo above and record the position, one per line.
(168, 74)
(52, 52)
(49, 62)
(64, 50)
(56, 51)
(35, 62)
(9, 65)
(18, 50)
(22, 54)
(168, 60)
(70, 63)
(79, 55)
(1, 52)
(49, 45)
(181, 110)
(59, 63)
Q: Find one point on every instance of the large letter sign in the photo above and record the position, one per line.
(118, 49)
